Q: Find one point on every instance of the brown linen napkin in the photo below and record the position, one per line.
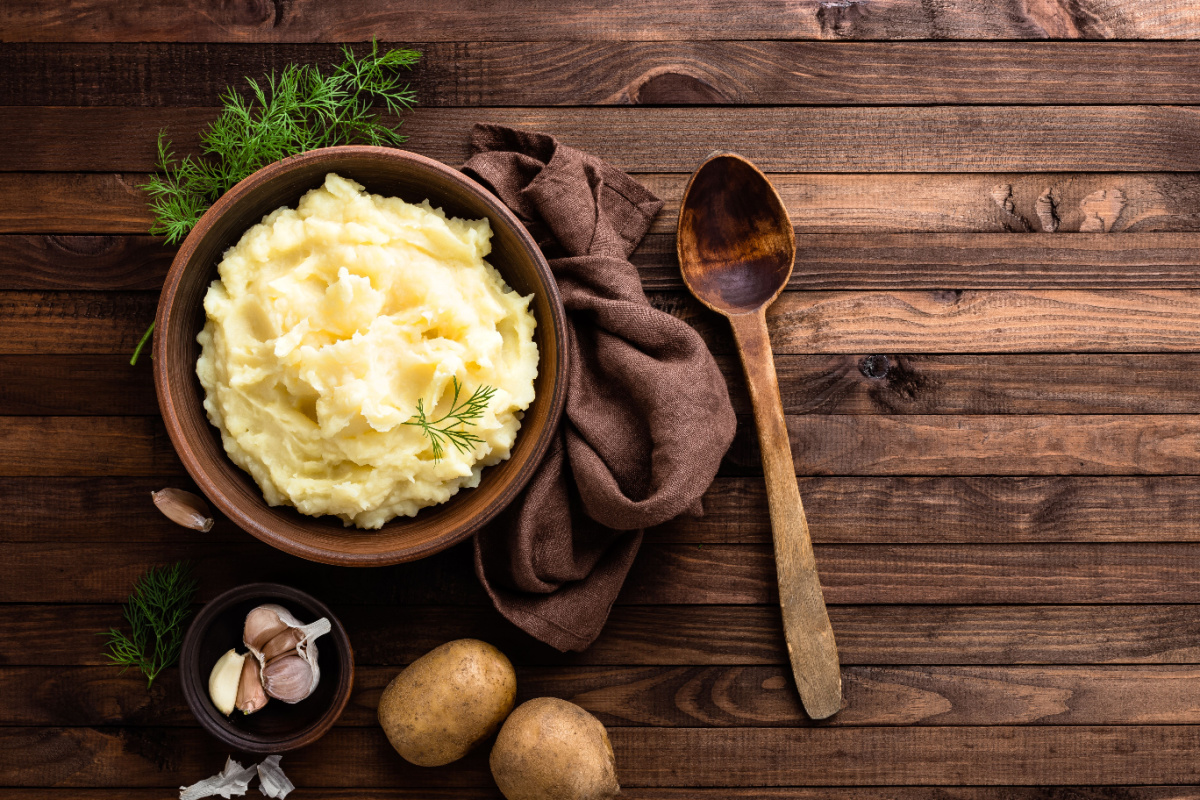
(647, 418)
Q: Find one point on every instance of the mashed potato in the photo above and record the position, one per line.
(331, 322)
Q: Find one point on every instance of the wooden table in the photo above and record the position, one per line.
(991, 359)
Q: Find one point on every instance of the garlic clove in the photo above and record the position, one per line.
(250, 694)
(224, 680)
(262, 625)
(282, 644)
(289, 678)
(184, 508)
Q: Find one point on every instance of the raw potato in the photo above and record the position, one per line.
(447, 701)
(550, 749)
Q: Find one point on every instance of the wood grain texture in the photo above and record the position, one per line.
(874, 383)
(987, 445)
(1117, 755)
(830, 323)
(1159, 260)
(710, 697)
(71, 446)
(664, 574)
(1087, 203)
(910, 510)
(946, 139)
(709, 635)
(876, 511)
(629, 72)
(459, 20)
(972, 321)
(85, 385)
(1129, 444)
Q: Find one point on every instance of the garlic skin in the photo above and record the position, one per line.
(270, 644)
(250, 694)
(184, 508)
(224, 680)
(289, 678)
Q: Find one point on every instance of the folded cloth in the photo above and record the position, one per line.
(647, 417)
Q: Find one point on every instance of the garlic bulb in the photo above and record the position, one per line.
(224, 680)
(286, 651)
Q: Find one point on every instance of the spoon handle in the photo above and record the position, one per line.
(806, 627)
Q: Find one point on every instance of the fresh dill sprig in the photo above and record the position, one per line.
(300, 110)
(470, 411)
(156, 610)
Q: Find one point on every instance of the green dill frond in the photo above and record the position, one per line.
(299, 109)
(156, 612)
(468, 413)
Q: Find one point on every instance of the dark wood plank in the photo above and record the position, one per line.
(647, 73)
(876, 383)
(948, 510)
(948, 139)
(1162, 260)
(830, 323)
(540, 20)
(669, 757)
(986, 445)
(87, 323)
(1131, 444)
(1088, 203)
(130, 263)
(709, 697)
(972, 321)
(77, 446)
(86, 385)
(879, 511)
(70, 572)
(882, 635)
(824, 261)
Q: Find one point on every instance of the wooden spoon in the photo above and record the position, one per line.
(736, 249)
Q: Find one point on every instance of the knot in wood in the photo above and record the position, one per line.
(876, 366)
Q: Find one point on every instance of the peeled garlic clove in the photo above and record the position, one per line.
(282, 644)
(290, 679)
(184, 508)
(250, 694)
(262, 625)
(224, 680)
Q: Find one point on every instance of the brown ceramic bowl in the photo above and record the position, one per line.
(278, 726)
(389, 172)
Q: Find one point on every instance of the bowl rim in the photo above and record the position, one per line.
(191, 461)
(195, 684)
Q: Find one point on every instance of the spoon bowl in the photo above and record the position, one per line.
(736, 243)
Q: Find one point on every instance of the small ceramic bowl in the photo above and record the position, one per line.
(389, 172)
(278, 727)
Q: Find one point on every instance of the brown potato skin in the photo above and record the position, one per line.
(550, 749)
(447, 701)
